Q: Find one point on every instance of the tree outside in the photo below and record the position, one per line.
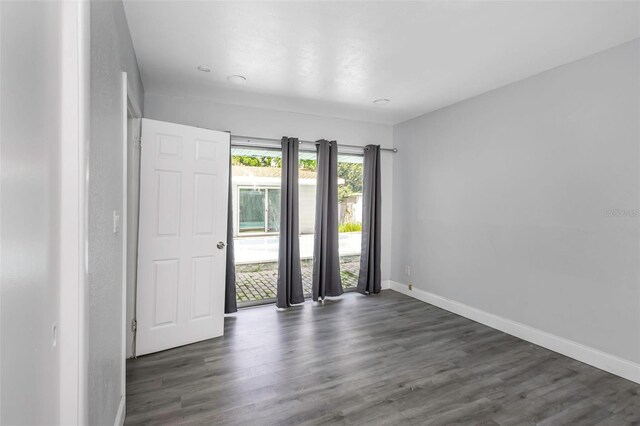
(350, 172)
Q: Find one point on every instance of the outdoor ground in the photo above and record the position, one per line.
(257, 281)
(264, 248)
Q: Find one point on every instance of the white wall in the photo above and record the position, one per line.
(267, 123)
(111, 53)
(307, 208)
(30, 135)
(500, 202)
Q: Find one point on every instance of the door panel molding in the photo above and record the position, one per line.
(184, 180)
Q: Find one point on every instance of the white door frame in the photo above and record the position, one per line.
(131, 109)
(75, 106)
(129, 106)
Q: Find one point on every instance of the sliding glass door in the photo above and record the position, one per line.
(273, 210)
(251, 210)
(256, 177)
(258, 210)
(350, 180)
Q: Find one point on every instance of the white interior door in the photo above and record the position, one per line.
(184, 181)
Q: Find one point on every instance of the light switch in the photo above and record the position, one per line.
(116, 221)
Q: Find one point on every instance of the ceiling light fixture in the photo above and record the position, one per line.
(237, 79)
(204, 68)
(381, 101)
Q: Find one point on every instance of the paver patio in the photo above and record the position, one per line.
(257, 281)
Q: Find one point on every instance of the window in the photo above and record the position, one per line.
(256, 177)
(258, 210)
(251, 208)
(350, 181)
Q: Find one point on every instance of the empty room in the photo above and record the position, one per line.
(319, 212)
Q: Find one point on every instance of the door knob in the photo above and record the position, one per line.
(220, 245)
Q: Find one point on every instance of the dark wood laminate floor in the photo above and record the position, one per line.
(385, 359)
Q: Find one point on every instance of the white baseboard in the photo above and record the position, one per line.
(602, 360)
(385, 285)
(121, 413)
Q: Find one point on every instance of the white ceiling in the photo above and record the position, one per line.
(335, 58)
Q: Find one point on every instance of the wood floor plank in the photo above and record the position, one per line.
(384, 359)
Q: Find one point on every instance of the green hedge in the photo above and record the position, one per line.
(350, 227)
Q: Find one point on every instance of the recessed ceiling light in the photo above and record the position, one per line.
(204, 68)
(381, 101)
(237, 79)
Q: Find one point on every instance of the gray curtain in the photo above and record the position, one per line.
(326, 260)
(369, 280)
(230, 305)
(289, 289)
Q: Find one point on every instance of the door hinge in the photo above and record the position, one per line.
(138, 143)
(134, 325)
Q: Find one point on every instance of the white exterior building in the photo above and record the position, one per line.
(268, 179)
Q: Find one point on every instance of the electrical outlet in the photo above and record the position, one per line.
(116, 221)
(410, 286)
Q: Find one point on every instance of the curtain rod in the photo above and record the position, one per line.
(255, 138)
